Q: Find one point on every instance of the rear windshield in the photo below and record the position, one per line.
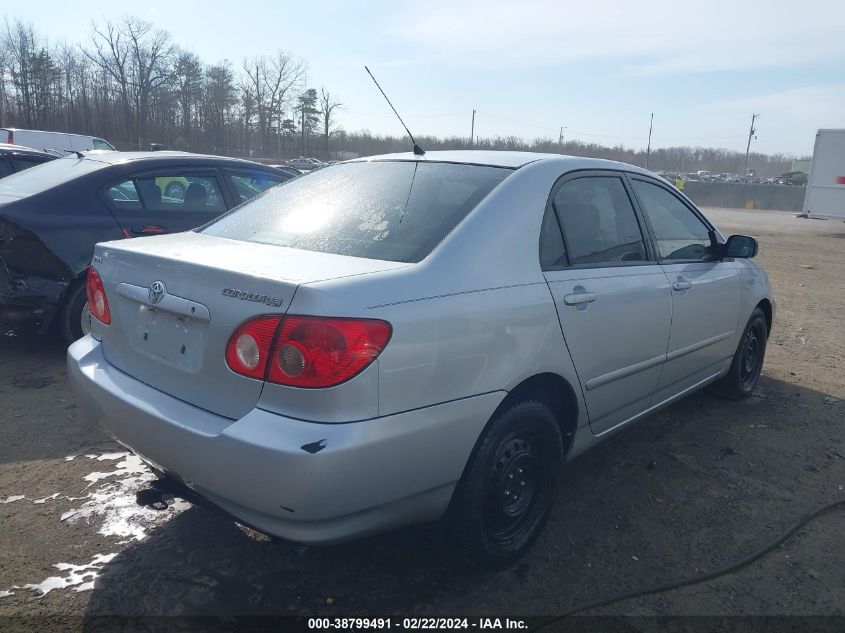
(47, 175)
(396, 211)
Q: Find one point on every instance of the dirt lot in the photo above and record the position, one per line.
(694, 487)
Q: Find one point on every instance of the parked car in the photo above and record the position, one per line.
(15, 158)
(52, 215)
(287, 169)
(61, 142)
(400, 339)
(306, 164)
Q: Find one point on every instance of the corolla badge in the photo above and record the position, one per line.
(157, 291)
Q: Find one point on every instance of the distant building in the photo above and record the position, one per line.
(801, 164)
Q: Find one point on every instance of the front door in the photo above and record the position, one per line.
(612, 298)
(705, 291)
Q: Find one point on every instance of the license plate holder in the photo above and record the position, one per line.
(170, 338)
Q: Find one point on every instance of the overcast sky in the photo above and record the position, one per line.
(528, 67)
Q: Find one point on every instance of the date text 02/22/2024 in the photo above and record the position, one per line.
(411, 624)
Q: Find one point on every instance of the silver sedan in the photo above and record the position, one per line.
(402, 339)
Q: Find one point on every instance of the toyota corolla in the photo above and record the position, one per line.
(403, 339)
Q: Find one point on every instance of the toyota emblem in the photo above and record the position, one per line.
(157, 291)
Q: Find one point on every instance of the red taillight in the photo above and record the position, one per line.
(11, 140)
(98, 304)
(249, 347)
(308, 352)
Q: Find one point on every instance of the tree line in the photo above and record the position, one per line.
(132, 85)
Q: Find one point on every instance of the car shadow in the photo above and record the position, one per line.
(692, 487)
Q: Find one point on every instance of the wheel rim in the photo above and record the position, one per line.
(517, 489)
(175, 191)
(752, 356)
(85, 320)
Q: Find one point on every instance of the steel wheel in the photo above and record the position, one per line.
(505, 495)
(747, 363)
(752, 356)
(175, 190)
(518, 486)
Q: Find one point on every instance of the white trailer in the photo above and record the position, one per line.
(825, 197)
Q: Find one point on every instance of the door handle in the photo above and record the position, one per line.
(681, 285)
(149, 229)
(579, 297)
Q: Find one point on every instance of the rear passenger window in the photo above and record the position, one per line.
(598, 221)
(124, 196)
(680, 233)
(24, 162)
(250, 184)
(552, 250)
(168, 193)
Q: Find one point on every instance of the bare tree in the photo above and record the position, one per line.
(267, 90)
(111, 55)
(188, 75)
(328, 104)
(137, 57)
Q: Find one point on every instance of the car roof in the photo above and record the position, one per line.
(115, 158)
(8, 147)
(510, 160)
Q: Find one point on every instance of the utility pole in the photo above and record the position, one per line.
(648, 149)
(751, 132)
(560, 139)
(472, 132)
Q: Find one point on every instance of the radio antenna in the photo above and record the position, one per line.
(419, 151)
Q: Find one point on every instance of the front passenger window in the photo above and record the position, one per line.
(680, 233)
(598, 221)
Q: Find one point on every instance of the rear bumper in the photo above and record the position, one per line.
(303, 481)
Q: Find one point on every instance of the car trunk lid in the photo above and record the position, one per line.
(175, 301)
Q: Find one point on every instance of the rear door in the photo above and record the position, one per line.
(705, 291)
(612, 298)
(167, 200)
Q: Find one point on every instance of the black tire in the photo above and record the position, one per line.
(506, 492)
(70, 314)
(744, 374)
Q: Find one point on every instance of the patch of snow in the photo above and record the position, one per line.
(12, 498)
(81, 577)
(112, 456)
(4, 594)
(114, 503)
(55, 495)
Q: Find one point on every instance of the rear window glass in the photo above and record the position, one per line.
(397, 211)
(47, 175)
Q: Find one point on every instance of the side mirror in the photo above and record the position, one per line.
(740, 246)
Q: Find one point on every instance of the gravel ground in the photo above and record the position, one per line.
(693, 487)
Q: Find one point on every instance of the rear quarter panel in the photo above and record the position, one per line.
(474, 317)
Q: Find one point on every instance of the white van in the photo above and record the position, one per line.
(825, 197)
(58, 141)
